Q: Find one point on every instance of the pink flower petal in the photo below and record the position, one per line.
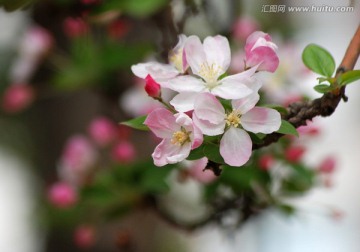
(208, 128)
(264, 120)
(265, 56)
(197, 137)
(245, 104)
(162, 122)
(184, 102)
(251, 40)
(208, 108)
(168, 153)
(197, 171)
(235, 147)
(195, 54)
(217, 50)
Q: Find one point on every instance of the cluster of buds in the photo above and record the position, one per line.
(198, 73)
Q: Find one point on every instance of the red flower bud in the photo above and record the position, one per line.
(75, 27)
(85, 236)
(266, 161)
(294, 153)
(17, 98)
(62, 195)
(152, 88)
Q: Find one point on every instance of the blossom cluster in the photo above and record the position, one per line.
(209, 101)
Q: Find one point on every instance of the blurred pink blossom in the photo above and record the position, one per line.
(75, 27)
(102, 131)
(266, 161)
(85, 236)
(123, 152)
(328, 165)
(243, 27)
(62, 195)
(78, 157)
(295, 153)
(17, 97)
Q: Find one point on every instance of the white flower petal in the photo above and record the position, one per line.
(231, 89)
(235, 147)
(158, 71)
(261, 120)
(195, 55)
(184, 102)
(242, 77)
(217, 50)
(168, 153)
(245, 104)
(184, 84)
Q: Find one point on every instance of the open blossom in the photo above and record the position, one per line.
(177, 56)
(179, 136)
(235, 145)
(209, 61)
(260, 49)
(162, 72)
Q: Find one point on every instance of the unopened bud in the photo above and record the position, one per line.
(152, 88)
(294, 153)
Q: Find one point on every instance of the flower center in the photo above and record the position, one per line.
(233, 119)
(180, 137)
(176, 59)
(210, 74)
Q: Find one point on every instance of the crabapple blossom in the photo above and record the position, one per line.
(78, 156)
(209, 61)
(235, 145)
(162, 72)
(17, 97)
(123, 152)
(85, 236)
(62, 195)
(260, 50)
(327, 165)
(177, 56)
(243, 27)
(294, 153)
(102, 131)
(179, 136)
(75, 27)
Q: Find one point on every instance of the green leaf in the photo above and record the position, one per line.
(318, 60)
(196, 153)
(212, 152)
(287, 128)
(322, 88)
(137, 123)
(349, 77)
(153, 180)
(286, 209)
(137, 8)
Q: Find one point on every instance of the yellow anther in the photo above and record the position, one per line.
(180, 137)
(210, 73)
(233, 119)
(176, 59)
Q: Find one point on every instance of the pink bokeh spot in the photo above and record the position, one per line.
(17, 97)
(62, 195)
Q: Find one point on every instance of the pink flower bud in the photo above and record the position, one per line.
(102, 131)
(294, 153)
(266, 162)
(62, 195)
(198, 173)
(17, 97)
(75, 27)
(152, 88)
(260, 50)
(327, 165)
(243, 27)
(123, 152)
(85, 236)
(37, 41)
